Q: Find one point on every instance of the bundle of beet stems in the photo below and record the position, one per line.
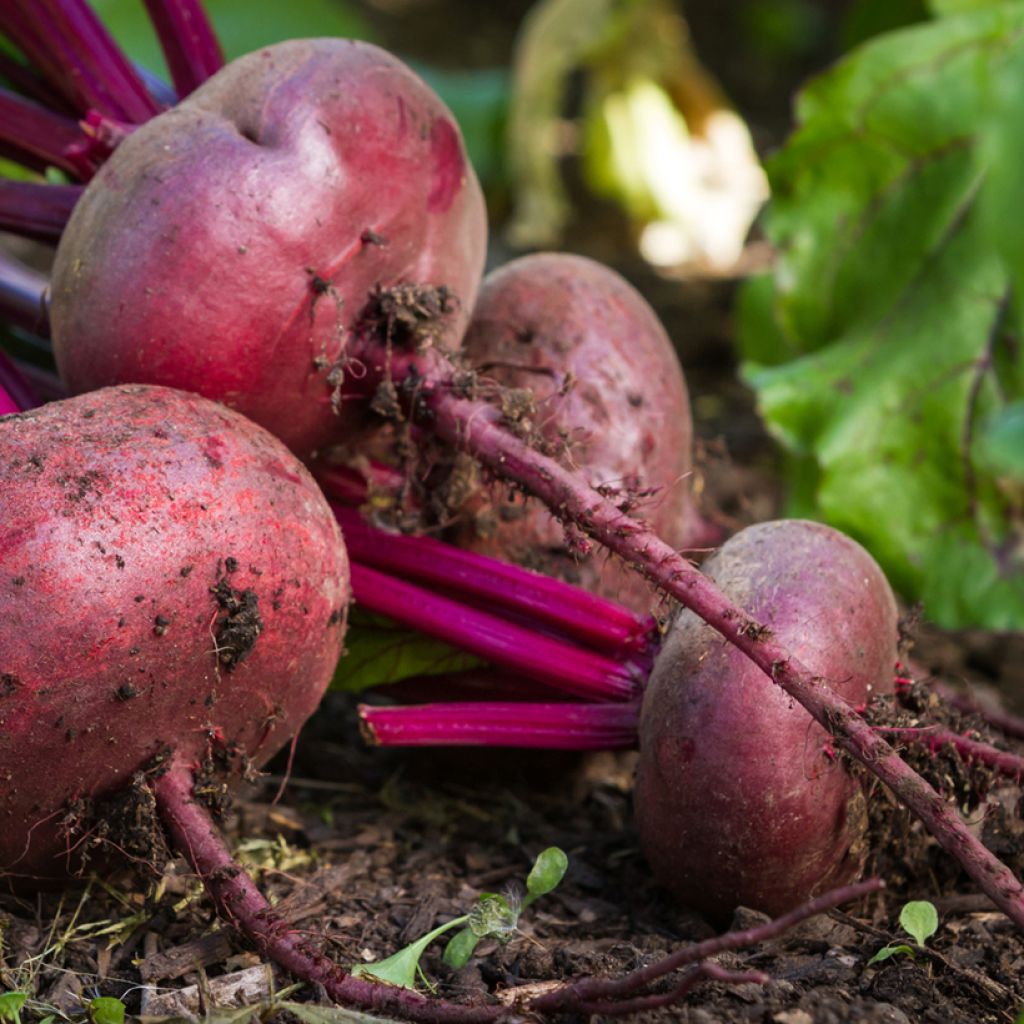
(432, 393)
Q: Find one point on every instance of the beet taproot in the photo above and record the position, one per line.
(609, 395)
(171, 579)
(229, 245)
(740, 797)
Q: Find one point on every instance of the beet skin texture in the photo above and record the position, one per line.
(231, 244)
(610, 395)
(171, 579)
(740, 797)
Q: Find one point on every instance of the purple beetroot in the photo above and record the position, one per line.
(740, 797)
(610, 399)
(228, 245)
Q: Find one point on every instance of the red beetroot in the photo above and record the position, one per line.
(172, 579)
(740, 798)
(229, 244)
(610, 393)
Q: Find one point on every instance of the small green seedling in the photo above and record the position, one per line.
(494, 915)
(10, 1007)
(920, 920)
(105, 1010)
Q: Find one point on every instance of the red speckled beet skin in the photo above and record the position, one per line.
(121, 510)
(737, 800)
(228, 245)
(539, 320)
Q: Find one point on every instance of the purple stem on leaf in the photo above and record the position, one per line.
(67, 42)
(561, 665)
(34, 136)
(8, 404)
(23, 296)
(503, 724)
(188, 41)
(35, 210)
(28, 83)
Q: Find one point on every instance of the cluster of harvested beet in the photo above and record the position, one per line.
(301, 239)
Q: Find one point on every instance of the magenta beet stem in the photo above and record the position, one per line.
(7, 404)
(503, 724)
(353, 486)
(561, 665)
(599, 623)
(1005, 721)
(27, 83)
(935, 738)
(188, 41)
(67, 42)
(34, 136)
(35, 210)
(16, 394)
(23, 296)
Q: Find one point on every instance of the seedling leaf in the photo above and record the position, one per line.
(105, 1010)
(548, 870)
(495, 914)
(10, 1006)
(400, 968)
(887, 951)
(920, 920)
(460, 948)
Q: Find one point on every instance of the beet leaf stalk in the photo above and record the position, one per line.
(566, 726)
(432, 394)
(561, 665)
(568, 610)
(22, 295)
(85, 73)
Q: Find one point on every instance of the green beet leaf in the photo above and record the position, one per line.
(883, 349)
(378, 651)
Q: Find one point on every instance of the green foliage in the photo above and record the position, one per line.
(920, 920)
(10, 1006)
(378, 651)
(105, 1010)
(883, 349)
(495, 915)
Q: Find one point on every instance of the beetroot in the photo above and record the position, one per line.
(173, 580)
(609, 392)
(740, 798)
(228, 245)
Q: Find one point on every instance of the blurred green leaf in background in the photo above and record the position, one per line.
(885, 347)
(653, 132)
